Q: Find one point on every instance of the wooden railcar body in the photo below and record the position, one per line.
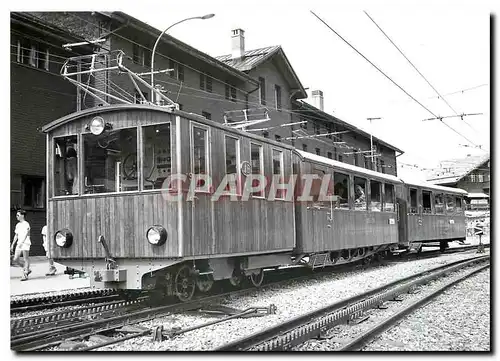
(424, 222)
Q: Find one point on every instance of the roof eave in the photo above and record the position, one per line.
(124, 17)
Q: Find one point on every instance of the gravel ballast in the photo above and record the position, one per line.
(292, 300)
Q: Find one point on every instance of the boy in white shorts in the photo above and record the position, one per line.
(22, 238)
(52, 268)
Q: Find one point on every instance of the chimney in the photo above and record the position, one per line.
(238, 43)
(317, 96)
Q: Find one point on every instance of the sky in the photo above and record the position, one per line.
(449, 44)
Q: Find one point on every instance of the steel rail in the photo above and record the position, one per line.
(303, 327)
(368, 335)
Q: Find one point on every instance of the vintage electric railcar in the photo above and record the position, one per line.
(112, 213)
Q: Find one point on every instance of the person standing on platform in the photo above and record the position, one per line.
(52, 268)
(22, 243)
(479, 231)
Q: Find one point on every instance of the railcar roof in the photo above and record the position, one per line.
(348, 167)
(425, 184)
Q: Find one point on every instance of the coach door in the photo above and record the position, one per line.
(320, 209)
(201, 205)
(402, 219)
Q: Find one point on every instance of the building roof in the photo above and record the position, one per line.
(253, 58)
(453, 170)
(333, 119)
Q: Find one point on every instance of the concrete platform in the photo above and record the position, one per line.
(38, 282)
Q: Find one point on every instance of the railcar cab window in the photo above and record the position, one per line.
(360, 194)
(450, 204)
(341, 190)
(157, 158)
(389, 201)
(232, 154)
(110, 161)
(439, 203)
(278, 172)
(413, 201)
(459, 205)
(199, 152)
(375, 196)
(426, 202)
(257, 162)
(65, 166)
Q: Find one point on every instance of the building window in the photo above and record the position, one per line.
(340, 158)
(303, 125)
(356, 159)
(304, 147)
(171, 66)
(202, 81)
(329, 155)
(180, 72)
(316, 128)
(329, 130)
(277, 137)
(277, 93)
(206, 115)
(230, 92)
(265, 134)
(33, 192)
(208, 81)
(141, 56)
(233, 93)
(318, 151)
(138, 99)
(382, 166)
(262, 87)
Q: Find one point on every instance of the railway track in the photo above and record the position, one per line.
(39, 332)
(316, 324)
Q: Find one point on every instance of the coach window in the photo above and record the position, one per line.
(278, 170)
(341, 190)
(458, 202)
(199, 153)
(157, 164)
(232, 155)
(389, 201)
(439, 203)
(413, 201)
(257, 160)
(65, 166)
(375, 196)
(426, 202)
(450, 204)
(360, 193)
(110, 161)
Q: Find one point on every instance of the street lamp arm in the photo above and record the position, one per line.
(158, 40)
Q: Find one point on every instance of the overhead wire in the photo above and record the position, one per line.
(418, 71)
(389, 78)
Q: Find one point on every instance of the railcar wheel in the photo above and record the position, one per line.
(257, 278)
(184, 283)
(205, 283)
(236, 278)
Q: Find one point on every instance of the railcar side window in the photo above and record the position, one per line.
(341, 190)
(65, 166)
(439, 203)
(110, 161)
(232, 155)
(157, 155)
(257, 160)
(426, 202)
(389, 202)
(413, 201)
(450, 204)
(458, 201)
(200, 150)
(360, 193)
(375, 196)
(278, 170)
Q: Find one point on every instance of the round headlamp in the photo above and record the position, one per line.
(63, 238)
(97, 126)
(156, 235)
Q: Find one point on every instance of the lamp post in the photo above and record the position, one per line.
(371, 137)
(208, 16)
